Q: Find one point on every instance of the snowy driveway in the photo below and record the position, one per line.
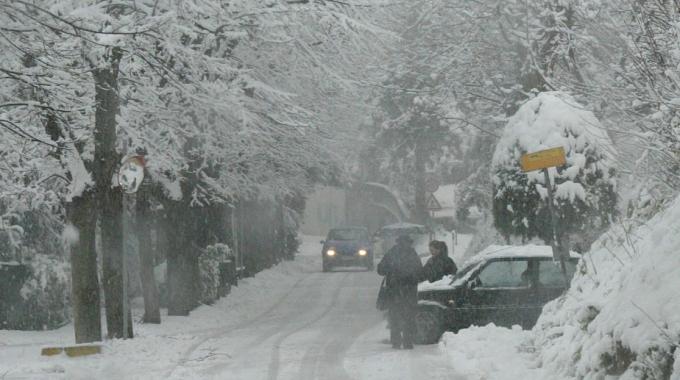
(290, 322)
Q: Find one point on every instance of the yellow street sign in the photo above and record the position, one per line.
(543, 159)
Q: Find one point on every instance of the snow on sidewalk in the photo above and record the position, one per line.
(156, 349)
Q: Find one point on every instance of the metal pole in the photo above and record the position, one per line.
(555, 241)
(234, 239)
(126, 214)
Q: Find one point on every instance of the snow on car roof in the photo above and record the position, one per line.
(506, 251)
(399, 226)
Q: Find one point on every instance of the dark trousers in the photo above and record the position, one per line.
(402, 323)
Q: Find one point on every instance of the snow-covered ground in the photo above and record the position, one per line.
(289, 322)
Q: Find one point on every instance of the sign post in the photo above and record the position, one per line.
(130, 178)
(543, 160)
(432, 205)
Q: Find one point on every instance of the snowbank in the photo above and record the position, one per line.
(621, 316)
(491, 353)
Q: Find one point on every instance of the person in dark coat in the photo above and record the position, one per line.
(440, 264)
(402, 267)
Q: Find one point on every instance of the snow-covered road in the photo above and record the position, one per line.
(325, 327)
(290, 322)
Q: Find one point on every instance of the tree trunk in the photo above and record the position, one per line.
(280, 231)
(112, 262)
(84, 278)
(152, 312)
(182, 262)
(109, 199)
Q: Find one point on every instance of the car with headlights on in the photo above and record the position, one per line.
(504, 285)
(347, 246)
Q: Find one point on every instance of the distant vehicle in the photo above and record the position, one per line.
(504, 285)
(386, 237)
(347, 246)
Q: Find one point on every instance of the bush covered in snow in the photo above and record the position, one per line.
(621, 315)
(46, 295)
(585, 195)
(209, 267)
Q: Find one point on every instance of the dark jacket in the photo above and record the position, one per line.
(438, 267)
(402, 268)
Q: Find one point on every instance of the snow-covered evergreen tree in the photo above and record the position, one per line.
(585, 188)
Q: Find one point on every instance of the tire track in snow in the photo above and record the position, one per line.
(330, 356)
(275, 361)
(219, 332)
(273, 327)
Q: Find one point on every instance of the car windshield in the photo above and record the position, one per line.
(463, 272)
(346, 234)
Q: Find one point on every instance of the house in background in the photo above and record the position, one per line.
(446, 196)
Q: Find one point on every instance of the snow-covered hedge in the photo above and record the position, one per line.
(209, 267)
(46, 294)
(621, 315)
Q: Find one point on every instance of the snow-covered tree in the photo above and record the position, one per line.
(585, 197)
(222, 97)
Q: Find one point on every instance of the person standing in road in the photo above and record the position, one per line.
(402, 267)
(440, 264)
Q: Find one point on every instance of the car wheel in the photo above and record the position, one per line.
(326, 267)
(429, 325)
(369, 266)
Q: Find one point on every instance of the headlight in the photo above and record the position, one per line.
(363, 252)
(330, 252)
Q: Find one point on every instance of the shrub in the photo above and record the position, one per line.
(209, 267)
(46, 295)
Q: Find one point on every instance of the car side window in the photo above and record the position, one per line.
(504, 274)
(550, 273)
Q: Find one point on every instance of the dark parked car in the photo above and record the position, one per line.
(504, 285)
(348, 246)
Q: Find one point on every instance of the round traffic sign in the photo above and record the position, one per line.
(131, 174)
(431, 183)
